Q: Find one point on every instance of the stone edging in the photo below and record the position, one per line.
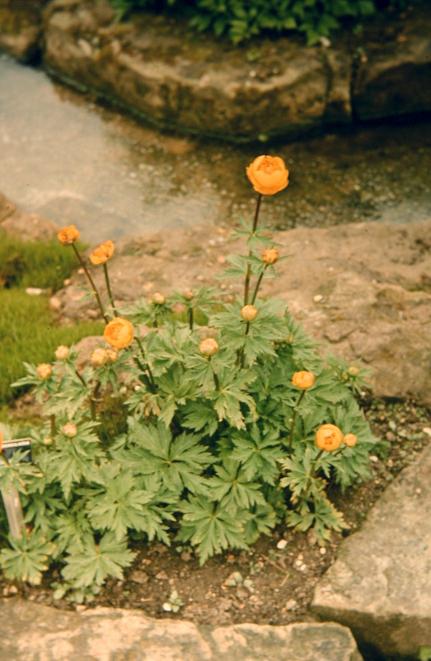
(29, 630)
(155, 70)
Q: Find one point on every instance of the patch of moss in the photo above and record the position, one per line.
(42, 264)
(27, 333)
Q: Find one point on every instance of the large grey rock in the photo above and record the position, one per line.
(393, 77)
(21, 28)
(154, 68)
(31, 631)
(380, 583)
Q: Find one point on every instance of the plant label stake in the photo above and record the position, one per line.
(11, 500)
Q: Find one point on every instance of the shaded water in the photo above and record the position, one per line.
(70, 160)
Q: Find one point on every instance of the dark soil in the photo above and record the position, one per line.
(268, 584)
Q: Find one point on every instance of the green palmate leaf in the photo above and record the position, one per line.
(300, 473)
(258, 454)
(71, 528)
(169, 347)
(233, 488)
(199, 415)
(320, 515)
(210, 527)
(27, 558)
(73, 459)
(16, 472)
(42, 508)
(261, 520)
(178, 462)
(120, 504)
(95, 562)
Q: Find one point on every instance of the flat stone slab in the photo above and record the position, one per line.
(380, 585)
(31, 631)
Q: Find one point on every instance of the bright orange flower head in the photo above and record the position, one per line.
(268, 175)
(119, 333)
(68, 235)
(270, 255)
(329, 437)
(102, 253)
(350, 440)
(44, 371)
(208, 347)
(303, 380)
(249, 312)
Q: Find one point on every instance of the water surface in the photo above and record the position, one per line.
(73, 161)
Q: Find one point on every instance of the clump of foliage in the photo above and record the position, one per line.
(27, 331)
(242, 19)
(228, 424)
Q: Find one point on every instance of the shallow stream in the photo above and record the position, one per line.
(65, 157)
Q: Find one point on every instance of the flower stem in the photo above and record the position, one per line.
(248, 272)
(216, 379)
(108, 287)
(295, 413)
(91, 281)
(52, 424)
(258, 283)
(190, 317)
(145, 365)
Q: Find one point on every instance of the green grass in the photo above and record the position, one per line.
(27, 328)
(27, 333)
(42, 264)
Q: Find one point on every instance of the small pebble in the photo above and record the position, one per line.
(291, 605)
(318, 298)
(282, 544)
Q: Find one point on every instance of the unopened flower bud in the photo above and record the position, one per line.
(62, 352)
(303, 380)
(188, 294)
(44, 371)
(350, 440)
(158, 298)
(48, 440)
(353, 371)
(111, 355)
(98, 357)
(208, 347)
(270, 255)
(249, 312)
(69, 429)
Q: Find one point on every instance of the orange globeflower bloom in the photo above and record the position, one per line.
(44, 371)
(270, 255)
(249, 312)
(208, 347)
(119, 333)
(102, 253)
(268, 175)
(350, 440)
(303, 380)
(329, 437)
(68, 235)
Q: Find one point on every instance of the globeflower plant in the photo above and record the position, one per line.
(195, 421)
